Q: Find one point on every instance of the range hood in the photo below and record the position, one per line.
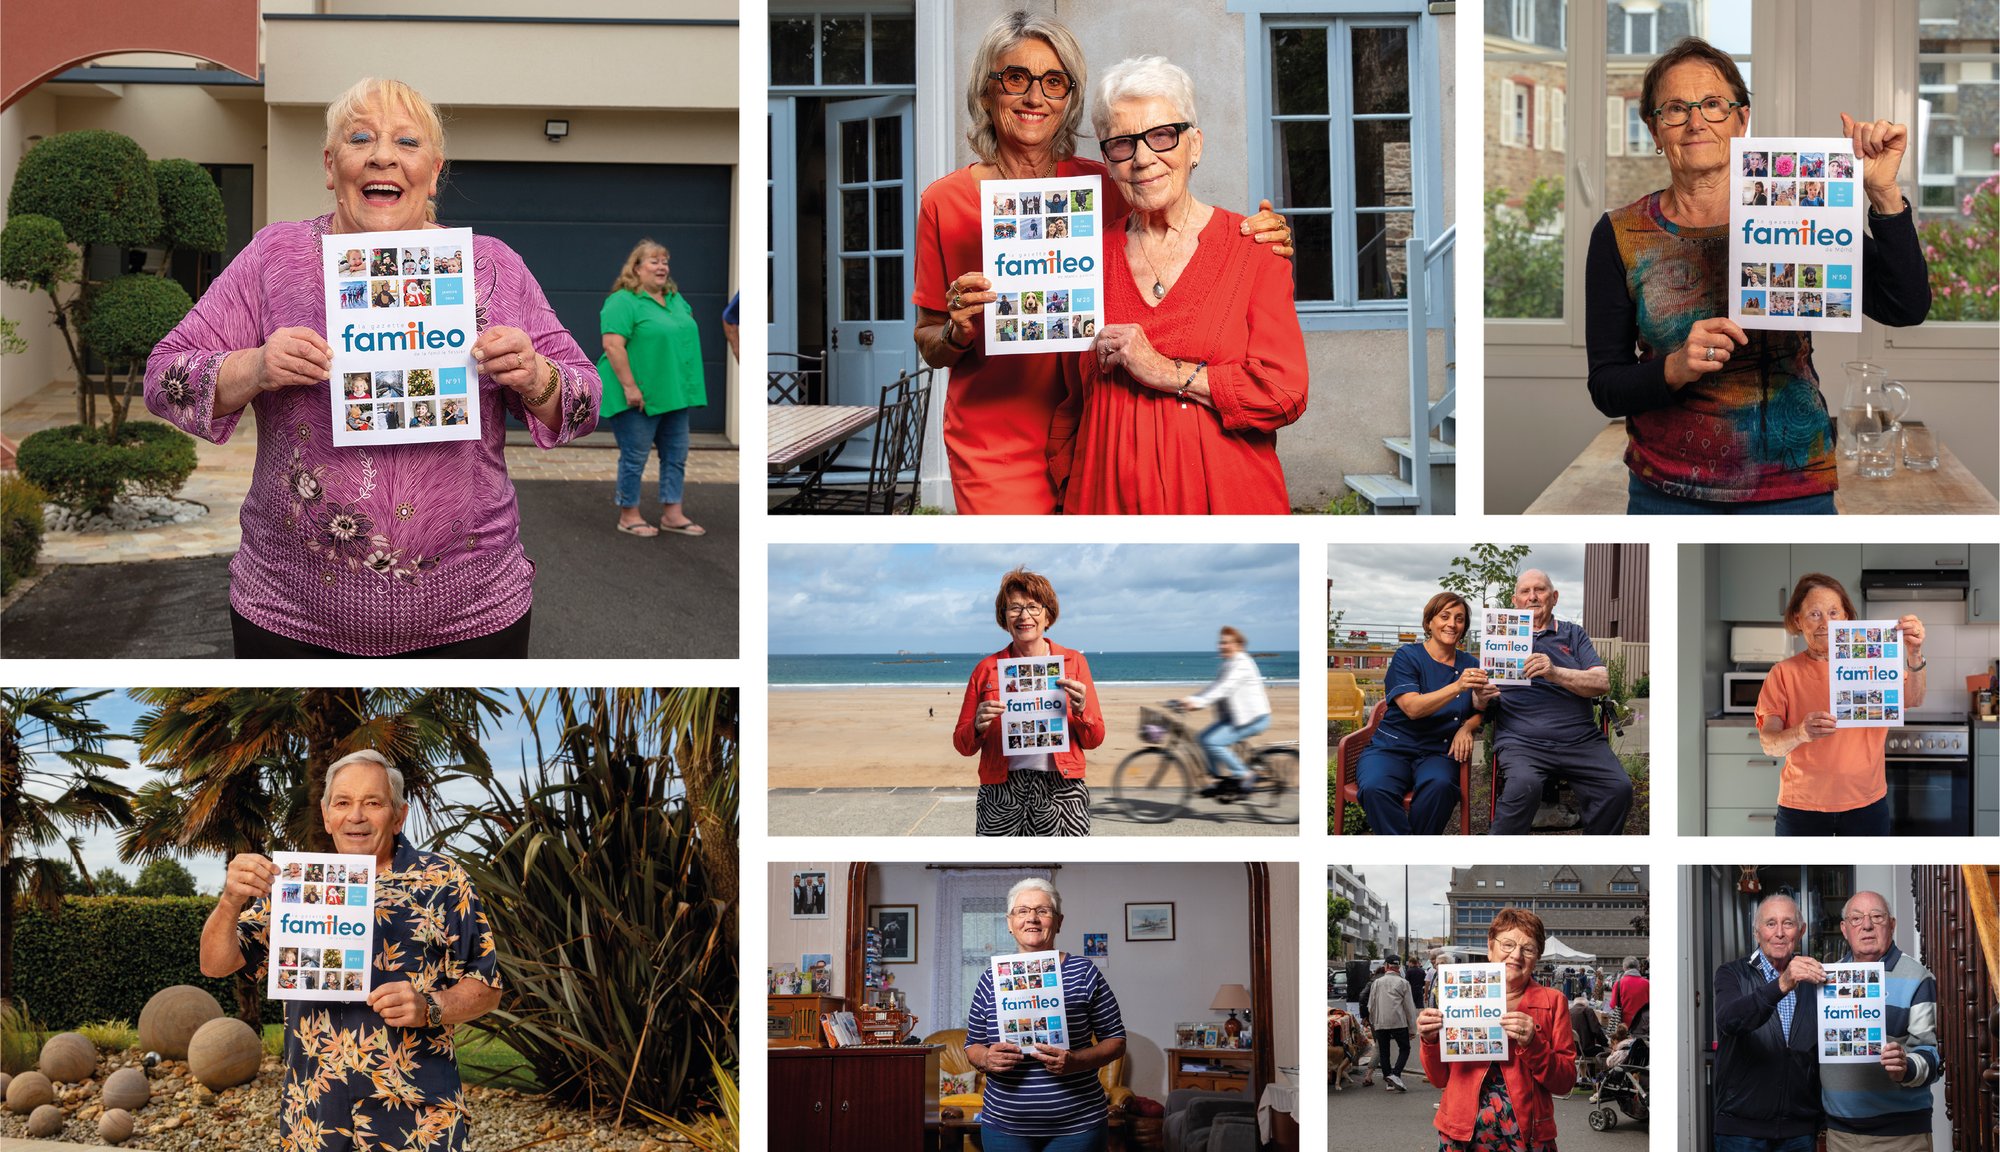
(1915, 584)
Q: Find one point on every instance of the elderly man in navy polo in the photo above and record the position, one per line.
(1548, 728)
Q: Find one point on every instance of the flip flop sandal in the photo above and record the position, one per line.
(688, 529)
(641, 529)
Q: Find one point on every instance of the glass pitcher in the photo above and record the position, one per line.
(1874, 403)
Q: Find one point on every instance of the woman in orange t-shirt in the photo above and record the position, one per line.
(1025, 106)
(1834, 781)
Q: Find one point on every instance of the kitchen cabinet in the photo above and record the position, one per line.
(1908, 556)
(1756, 580)
(867, 1099)
(1742, 782)
(1985, 780)
(1843, 562)
(1982, 600)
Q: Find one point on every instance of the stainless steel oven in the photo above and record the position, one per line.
(1930, 779)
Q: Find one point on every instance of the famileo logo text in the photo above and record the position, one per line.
(414, 336)
(1044, 264)
(1801, 232)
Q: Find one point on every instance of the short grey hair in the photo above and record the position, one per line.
(1786, 897)
(367, 756)
(1139, 78)
(1034, 884)
(1006, 32)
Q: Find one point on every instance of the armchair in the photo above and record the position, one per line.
(952, 1059)
(1202, 1121)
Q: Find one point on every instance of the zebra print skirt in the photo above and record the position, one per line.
(1034, 804)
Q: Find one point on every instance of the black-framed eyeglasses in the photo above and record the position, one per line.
(1162, 138)
(1714, 109)
(1056, 83)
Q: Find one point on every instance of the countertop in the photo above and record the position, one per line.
(1744, 720)
(1594, 484)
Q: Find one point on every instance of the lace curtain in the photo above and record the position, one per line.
(972, 929)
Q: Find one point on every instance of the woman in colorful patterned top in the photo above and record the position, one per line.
(378, 1072)
(393, 550)
(1042, 1092)
(1722, 420)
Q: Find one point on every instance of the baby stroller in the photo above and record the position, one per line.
(1623, 1085)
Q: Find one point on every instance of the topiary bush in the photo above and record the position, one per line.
(20, 529)
(85, 469)
(97, 184)
(191, 211)
(105, 956)
(35, 254)
(131, 314)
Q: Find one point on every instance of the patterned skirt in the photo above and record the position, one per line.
(1034, 804)
(1497, 1129)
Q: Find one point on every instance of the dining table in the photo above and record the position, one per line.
(799, 433)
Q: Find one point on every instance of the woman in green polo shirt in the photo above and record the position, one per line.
(651, 370)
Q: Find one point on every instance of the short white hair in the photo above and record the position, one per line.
(1140, 78)
(367, 756)
(1034, 884)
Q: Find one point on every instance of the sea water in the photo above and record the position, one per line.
(902, 669)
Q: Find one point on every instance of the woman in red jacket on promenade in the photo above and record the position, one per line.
(1507, 1105)
(1024, 793)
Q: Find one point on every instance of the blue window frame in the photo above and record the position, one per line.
(1345, 107)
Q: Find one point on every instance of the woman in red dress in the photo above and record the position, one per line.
(1176, 406)
(1026, 109)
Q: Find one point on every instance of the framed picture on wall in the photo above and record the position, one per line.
(897, 924)
(1151, 921)
(808, 895)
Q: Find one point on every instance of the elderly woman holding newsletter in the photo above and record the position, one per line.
(1024, 96)
(1721, 420)
(1835, 781)
(396, 550)
(1433, 710)
(1035, 793)
(1046, 1098)
(1506, 1105)
(1176, 407)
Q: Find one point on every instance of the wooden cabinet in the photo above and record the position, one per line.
(793, 1021)
(1209, 1069)
(854, 1099)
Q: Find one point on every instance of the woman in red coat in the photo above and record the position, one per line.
(1201, 359)
(1024, 793)
(1507, 1105)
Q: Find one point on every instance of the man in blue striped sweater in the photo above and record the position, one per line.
(1886, 1108)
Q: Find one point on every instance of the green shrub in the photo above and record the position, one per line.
(96, 183)
(105, 956)
(131, 314)
(20, 528)
(191, 212)
(86, 468)
(34, 253)
(111, 1035)
(21, 1037)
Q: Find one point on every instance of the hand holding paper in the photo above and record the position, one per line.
(292, 356)
(248, 879)
(1518, 1025)
(400, 1004)
(1801, 970)
(1709, 345)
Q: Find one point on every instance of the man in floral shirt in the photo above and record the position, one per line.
(379, 1073)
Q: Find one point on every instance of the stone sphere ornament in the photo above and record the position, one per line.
(225, 1052)
(127, 1089)
(170, 1019)
(115, 1126)
(45, 1121)
(29, 1091)
(68, 1057)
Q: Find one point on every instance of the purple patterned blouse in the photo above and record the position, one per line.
(370, 551)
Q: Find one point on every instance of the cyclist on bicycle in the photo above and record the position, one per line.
(1246, 711)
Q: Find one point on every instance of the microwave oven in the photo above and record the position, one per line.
(1740, 691)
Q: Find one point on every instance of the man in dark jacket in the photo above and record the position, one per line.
(1767, 1095)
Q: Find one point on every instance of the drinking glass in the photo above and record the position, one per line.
(1876, 452)
(1920, 448)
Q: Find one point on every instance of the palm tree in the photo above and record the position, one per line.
(246, 766)
(699, 725)
(55, 721)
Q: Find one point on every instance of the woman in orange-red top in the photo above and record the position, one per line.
(1025, 793)
(1835, 780)
(1024, 99)
(1201, 359)
(1506, 1105)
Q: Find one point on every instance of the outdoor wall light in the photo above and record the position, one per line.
(555, 129)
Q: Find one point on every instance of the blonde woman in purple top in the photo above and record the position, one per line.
(391, 550)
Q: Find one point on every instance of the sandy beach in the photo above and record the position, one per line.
(895, 737)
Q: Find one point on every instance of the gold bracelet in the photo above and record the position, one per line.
(555, 382)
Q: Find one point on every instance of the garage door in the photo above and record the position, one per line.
(575, 223)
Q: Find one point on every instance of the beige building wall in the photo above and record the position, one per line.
(33, 117)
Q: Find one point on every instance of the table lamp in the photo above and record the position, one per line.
(1231, 998)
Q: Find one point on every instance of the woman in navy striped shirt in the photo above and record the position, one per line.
(1045, 1096)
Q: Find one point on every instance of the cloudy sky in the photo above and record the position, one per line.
(939, 598)
(1427, 883)
(1389, 583)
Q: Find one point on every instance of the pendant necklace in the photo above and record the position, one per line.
(1159, 289)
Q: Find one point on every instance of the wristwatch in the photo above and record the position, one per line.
(433, 1011)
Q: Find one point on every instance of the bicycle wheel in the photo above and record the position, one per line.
(1150, 785)
(1277, 776)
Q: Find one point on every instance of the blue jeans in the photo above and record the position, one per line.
(1642, 499)
(1872, 820)
(1763, 1144)
(993, 1140)
(638, 435)
(1384, 776)
(1220, 735)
